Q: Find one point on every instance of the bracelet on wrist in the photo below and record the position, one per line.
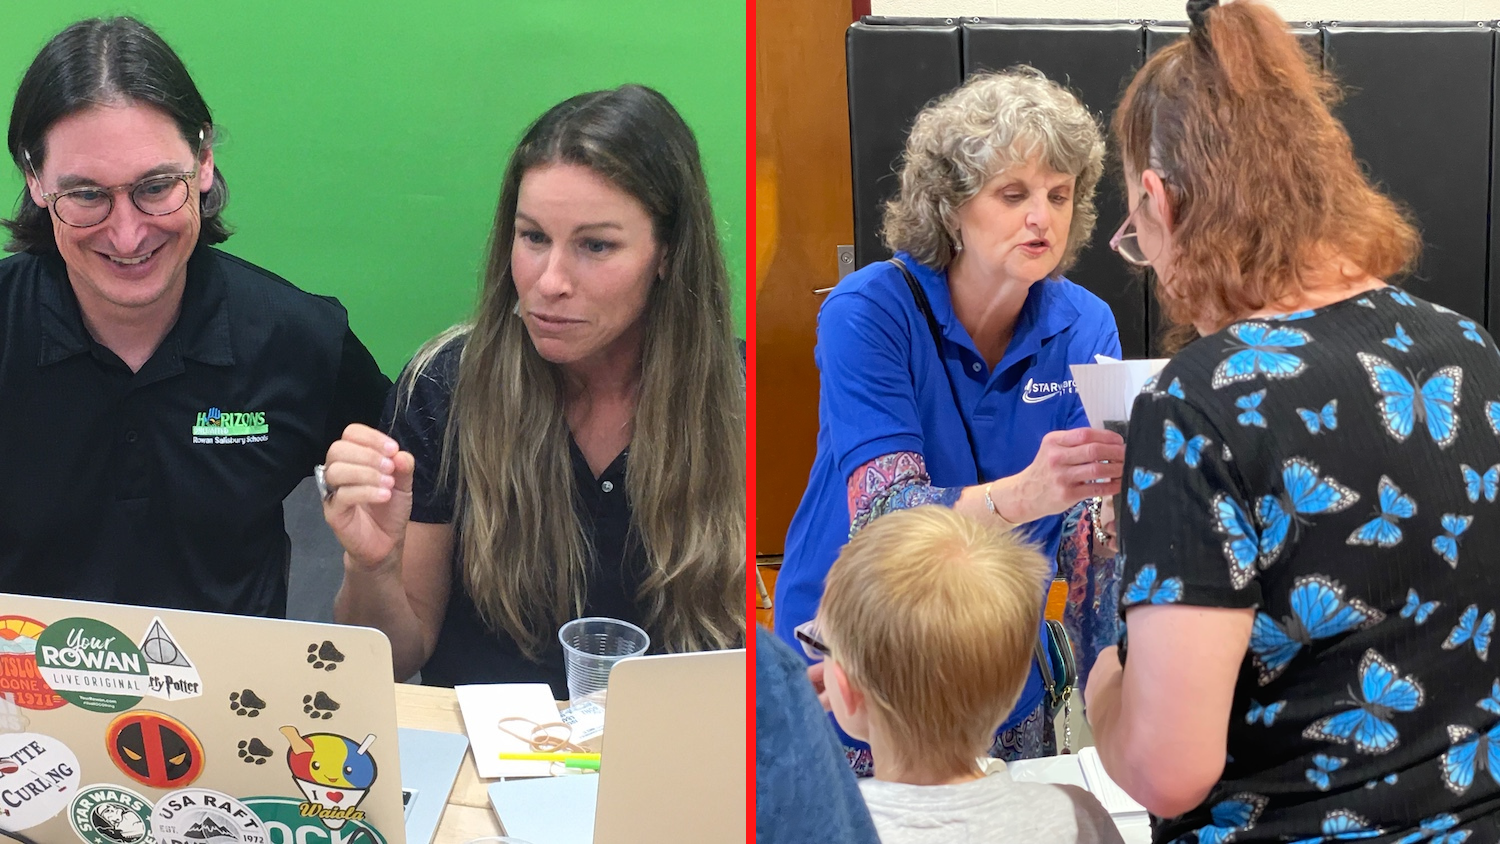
(995, 511)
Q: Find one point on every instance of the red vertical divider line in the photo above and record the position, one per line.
(751, 595)
(861, 8)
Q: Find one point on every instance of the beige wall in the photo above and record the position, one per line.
(1293, 10)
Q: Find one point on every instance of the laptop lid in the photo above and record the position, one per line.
(120, 722)
(674, 750)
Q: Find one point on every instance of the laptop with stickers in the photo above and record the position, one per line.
(130, 725)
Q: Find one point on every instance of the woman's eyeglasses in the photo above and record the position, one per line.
(1127, 244)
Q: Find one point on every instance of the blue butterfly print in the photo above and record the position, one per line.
(1251, 405)
(1384, 692)
(1146, 589)
(1174, 443)
(1431, 827)
(1403, 297)
(1149, 387)
(1447, 544)
(1242, 545)
(1474, 483)
(1342, 825)
(1382, 530)
(1319, 611)
(1264, 714)
(1263, 351)
(1228, 455)
(1364, 302)
(1492, 412)
(1174, 389)
(1471, 331)
(1468, 754)
(1142, 479)
(1416, 609)
(1472, 628)
(1236, 814)
(1327, 418)
(1307, 493)
(1402, 342)
(1322, 767)
(1388, 779)
(1293, 316)
(1402, 405)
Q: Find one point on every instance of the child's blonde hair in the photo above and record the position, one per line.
(934, 616)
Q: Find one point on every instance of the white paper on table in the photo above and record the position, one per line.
(484, 705)
(1108, 388)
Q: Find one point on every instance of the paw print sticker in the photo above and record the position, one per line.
(324, 657)
(246, 703)
(319, 705)
(255, 752)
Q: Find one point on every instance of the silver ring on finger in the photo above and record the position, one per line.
(324, 489)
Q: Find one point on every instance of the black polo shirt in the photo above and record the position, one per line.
(163, 487)
(468, 650)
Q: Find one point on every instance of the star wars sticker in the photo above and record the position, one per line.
(172, 674)
(110, 814)
(198, 815)
(38, 776)
(154, 749)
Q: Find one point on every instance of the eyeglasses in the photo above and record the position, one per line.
(156, 196)
(807, 636)
(1128, 244)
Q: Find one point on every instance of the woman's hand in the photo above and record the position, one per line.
(1069, 467)
(370, 501)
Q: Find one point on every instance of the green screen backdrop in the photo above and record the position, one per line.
(364, 143)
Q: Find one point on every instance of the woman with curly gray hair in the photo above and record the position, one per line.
(944, 371)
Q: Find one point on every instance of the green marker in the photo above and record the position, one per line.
(585, 764)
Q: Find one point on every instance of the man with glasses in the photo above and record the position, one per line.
(158, 398)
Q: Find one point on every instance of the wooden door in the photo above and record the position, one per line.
(804, 212)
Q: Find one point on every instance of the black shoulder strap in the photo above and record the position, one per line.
(925, 307)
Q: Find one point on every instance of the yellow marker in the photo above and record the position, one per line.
(550, 757)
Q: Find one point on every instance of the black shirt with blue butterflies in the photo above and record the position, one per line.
(1336, 470)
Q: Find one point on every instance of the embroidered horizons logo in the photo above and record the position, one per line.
(1040, 391)
(218, 426)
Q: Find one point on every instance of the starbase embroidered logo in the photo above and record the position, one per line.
(223, 427)
(1037, 392)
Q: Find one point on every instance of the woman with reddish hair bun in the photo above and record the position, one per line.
(1311, 485)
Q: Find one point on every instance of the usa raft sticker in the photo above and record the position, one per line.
(38, 776)
(92, 665)
(198, 815)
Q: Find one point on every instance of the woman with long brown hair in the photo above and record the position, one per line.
(1307, 608)
(579, 448)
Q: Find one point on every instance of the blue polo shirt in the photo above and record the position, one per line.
(884, 389)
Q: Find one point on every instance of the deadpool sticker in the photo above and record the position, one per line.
(154, 749)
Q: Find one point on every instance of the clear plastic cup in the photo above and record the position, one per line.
(591, 647)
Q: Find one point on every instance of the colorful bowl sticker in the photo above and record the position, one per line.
(110, 814)
(198, 815)
(154, 749)
(38, 776)
(334, 772)
(92, 665)
(286, 819)
(19, 677)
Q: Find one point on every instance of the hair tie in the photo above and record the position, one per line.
(1197, 10)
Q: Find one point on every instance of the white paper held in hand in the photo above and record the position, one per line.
(1108, 388)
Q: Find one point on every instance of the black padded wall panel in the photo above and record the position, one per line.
(1418, 112)
(894, 70)
(1095, 61)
